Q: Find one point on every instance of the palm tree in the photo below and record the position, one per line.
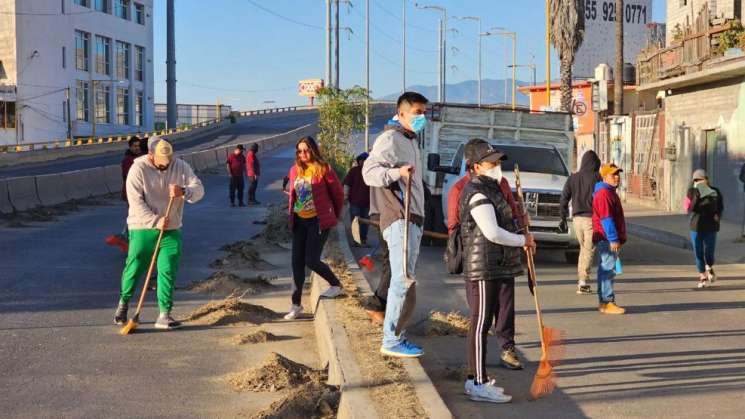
(567, 33)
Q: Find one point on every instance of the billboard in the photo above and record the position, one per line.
(309, 87)
(600, 34)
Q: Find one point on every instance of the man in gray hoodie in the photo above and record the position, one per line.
(392, 163)
(154, 179)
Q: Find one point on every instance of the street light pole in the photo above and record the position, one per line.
(336, 46)
(403, 71)
(171, 105)
(478, 49)
(443, 48)
(367, 75)
(328, 43)
(502, 32)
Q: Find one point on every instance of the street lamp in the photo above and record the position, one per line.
(530, 66)
(93, 102)
(478, 48)
(442, 47)
(502, 32)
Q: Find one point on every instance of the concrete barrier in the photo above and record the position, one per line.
(200, 161)
(50, 189)
(22, 192)
(188, 158)
(96, 178)
(113, 176)
(5, 206)
(76, 185)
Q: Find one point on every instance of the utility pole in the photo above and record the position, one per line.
(514, 70)
(403, 70)
(440, 68)
(443, 48)
(328, 43)
(548, 53)
(367, 75)
(336, 46)
(170, 65)
(618, 76)
(478, 52)
(69, 116)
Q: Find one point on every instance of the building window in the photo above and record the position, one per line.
(121, 9)
(103, 55)
(139, 109)
(64, 57)
(140, 13)
(82, 46)
(122, 60)
(122, 106)
(101, 5)
(83, 3)
(139, 63)
(103, 104)
(82, 105)
(7, 115)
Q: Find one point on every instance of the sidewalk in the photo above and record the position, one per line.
(671, 229)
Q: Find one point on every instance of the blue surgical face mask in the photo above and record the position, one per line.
(418, 123)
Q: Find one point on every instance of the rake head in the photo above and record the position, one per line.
(130, 326)
(544, 381)
(116, 240)
(367, 262)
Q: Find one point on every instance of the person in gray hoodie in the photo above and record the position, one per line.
(153, 180)
(392, 163)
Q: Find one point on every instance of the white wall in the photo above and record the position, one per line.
(42, 79)
(8, 59)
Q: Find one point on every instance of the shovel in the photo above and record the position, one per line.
(407, 310)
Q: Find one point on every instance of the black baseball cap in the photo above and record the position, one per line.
(485, 152)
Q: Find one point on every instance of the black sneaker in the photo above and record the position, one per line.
(584, 289)
(120, 317)
(510, 359)
(166, 322)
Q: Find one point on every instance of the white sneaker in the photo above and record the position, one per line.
(470, 383)
(332, 292)
(488, 393)
(710, 275)
(294, 312)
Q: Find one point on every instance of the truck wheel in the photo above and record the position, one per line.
(571, 256)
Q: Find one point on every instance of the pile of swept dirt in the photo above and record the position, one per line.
(259, 336)
(51, 213)
(227, 283)
(241, 255)
(230, 311)
(447, 324)
(276, 373)
(312, 401)
(277, 228)
(390, 386)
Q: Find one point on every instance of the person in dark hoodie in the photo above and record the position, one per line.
(705, 205)
(578, 190)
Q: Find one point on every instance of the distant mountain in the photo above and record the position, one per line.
(492, 91)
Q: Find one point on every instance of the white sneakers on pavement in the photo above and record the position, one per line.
(468, 387)
(332, 292)
(295, 311)
(487, 392)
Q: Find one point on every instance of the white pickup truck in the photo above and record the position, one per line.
(540, 143)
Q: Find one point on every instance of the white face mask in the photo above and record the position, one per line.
(494, 173)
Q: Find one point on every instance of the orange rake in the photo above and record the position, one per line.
(552, 347)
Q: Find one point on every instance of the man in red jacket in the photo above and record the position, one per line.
(235, 165)
(130, 155)
(608, 234)
(253, 171)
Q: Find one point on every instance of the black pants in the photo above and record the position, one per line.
(377, 302)
(236, 186)
(307, 245)
(489, 300)
(253, 183)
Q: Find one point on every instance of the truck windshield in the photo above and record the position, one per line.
(531, 159)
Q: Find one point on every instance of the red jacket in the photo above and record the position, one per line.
(252, 164)
(454, 201)
(127, 163)
(608, 222)
(328, 197)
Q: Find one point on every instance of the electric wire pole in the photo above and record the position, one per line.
(171, 105)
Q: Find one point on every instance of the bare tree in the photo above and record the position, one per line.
(567, 33)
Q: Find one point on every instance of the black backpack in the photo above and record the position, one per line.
(454, 252)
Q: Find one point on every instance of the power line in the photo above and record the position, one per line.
(394, 39)
(283, 17)
(421, 28)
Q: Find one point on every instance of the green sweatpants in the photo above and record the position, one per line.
(141, 246)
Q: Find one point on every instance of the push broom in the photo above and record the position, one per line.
(544, 380)
(135, 320)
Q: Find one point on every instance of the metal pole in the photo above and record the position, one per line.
(69, 116)
(444, 56)
(171, 119)
(439, 67)
(548, 53)
(403, 71)
(479, 64)
(93, 109)
(504, 81)
(514, 70)
(367, 75)
(618, 82)
(336, 46)
(328, 43)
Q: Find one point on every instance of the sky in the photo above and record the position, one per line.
(251, 53)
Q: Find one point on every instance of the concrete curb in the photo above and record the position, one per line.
(659, 236)
(425, 390)
(5, 206)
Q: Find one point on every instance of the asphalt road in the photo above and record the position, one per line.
(245, 130)
(677, 353)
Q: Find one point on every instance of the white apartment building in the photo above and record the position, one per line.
(97, 52)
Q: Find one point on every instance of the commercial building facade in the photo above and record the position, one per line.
(75, 68)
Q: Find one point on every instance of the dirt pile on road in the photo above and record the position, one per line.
(276, 373)
(259, 336)
(447, 324)
(227, 283)
(312, 401)
(276, 229)
(230, 311)
(241, 255)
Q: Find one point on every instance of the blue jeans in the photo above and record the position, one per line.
(606, 272)
(362, 212)
(704, 245)
(394, 237)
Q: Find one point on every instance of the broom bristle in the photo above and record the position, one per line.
(554, 341)
(128, 328)
(544, 381)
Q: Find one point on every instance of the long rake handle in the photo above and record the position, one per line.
(407, 209)
(529, 255)
(152, 261)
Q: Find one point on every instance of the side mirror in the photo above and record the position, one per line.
(433, 162)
